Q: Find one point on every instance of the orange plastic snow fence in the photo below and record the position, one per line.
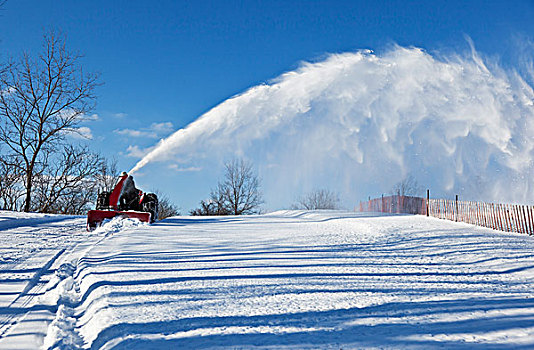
(504, 217)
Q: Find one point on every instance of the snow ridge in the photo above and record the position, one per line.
(62, 332)
(307, 280)
(64, 292)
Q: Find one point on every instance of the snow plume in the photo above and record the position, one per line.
(362, 121)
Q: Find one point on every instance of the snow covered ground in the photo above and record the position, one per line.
(292, 280)
(32, 246)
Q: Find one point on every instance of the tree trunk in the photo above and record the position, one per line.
(28, 200)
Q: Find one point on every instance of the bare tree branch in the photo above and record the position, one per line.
(240, 188)
(107, 176)
(11, 183)
(318, 199)
(238, 194)
(70, 182)
(41, 100)
(407, 187)
(166, 208)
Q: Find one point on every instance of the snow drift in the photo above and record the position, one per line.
(456, 123)
(306, 280)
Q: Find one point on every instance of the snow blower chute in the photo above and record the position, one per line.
(126, 201)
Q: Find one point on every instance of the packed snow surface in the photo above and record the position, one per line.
(293, 280)
(33, 247)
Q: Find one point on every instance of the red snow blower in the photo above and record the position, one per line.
(125, 201)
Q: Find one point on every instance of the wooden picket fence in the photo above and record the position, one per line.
(504, 217)
(395, 204)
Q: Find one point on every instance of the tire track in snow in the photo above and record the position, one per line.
(393, 282)
(13, 318)
(62, 332)
(31, 222)
(35, 279)
(24, 303)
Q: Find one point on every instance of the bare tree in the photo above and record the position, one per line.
(239, 192)
(318, 199)
(42, 99)
(11, 184)
(219, 203)
(407, 187)
(207, 207)
(106, 177)
(210, 207)
(166, 208)
(70, 182)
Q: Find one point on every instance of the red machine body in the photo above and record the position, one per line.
(96, 217)
(114, 196)
(124, 201)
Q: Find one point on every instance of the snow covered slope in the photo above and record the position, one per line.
(32, 247)
(307, 280)
(296, 280)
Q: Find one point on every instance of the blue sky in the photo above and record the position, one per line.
(164, 63)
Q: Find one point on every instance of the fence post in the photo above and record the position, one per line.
(427, 201)
(525, 225)
(529, 210)
(514, 207)
(499, 217)
(456, 208)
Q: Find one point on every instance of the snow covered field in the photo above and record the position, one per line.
(293, 280)
(32, 247)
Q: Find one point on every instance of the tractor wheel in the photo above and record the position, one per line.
(150, 205)
(102, 201)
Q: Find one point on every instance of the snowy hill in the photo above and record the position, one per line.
(289, 279)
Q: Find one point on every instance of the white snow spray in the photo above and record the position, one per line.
(456, 124)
